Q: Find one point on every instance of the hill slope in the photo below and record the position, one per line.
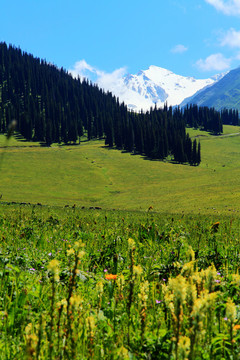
(93, 175)
(223, 94)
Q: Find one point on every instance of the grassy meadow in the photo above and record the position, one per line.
(90, 174)
(157, 278)
(95, 284)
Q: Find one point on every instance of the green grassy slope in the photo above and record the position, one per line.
(223, 94)
(92, 175)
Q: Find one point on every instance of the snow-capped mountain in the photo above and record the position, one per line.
(157, 85)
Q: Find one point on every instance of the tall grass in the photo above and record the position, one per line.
(77, 284)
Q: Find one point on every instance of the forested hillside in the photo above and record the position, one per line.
(51, 106)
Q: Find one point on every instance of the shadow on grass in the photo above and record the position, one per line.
(145, 157)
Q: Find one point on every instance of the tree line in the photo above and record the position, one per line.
(51, 106)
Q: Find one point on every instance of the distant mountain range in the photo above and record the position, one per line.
(157, 85)
(224, 93)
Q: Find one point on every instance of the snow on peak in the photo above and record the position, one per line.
(157, 85)
(147, 88)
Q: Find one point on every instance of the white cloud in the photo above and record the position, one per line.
(179, 49)
(214, 62)
(231, 38)
(84, 70)
(107, 81)
(228, 7)
(111, 80)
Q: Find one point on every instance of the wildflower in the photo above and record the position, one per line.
(78, 245)
(63, 303)
(76, 300)
(90, 321)
(120, 281)
(183, 347)
(143, 295)
(105, 270)
(110, 277)
(70, 252)
(81, 254)
(137, 270)
(158, 301)
(209, 275)
(236, 327)
(235, 279)
(53, 267)
(131, 244)
(231, 311)
(188, 269)
(123, 353)
(28, 328)
(99, 287)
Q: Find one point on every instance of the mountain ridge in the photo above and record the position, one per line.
(157, 86)
(223, 94)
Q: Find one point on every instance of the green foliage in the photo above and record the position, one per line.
(84, 284)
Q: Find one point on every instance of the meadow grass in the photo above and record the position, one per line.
(81, 284)
(93, 175)
(159, 281)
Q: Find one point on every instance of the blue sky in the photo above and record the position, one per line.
(190, 37)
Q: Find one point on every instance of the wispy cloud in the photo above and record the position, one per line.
(214, 62)
(227, 7)
(231, 38)
(105, 80)
(84, 70)
(179, 49)
(111, 80)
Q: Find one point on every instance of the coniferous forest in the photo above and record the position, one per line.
(50, 106)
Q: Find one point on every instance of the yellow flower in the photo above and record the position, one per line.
(81, 254)
(99, 287)
(131, 244)
(183, 347)
(137, 270)
(63, 303)
(28, 328)
(120, 281)
(53, 266)
(78, 245)
(76, 300)
(123, 353)
(144, 288)
(231, 311)
(70, 252)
